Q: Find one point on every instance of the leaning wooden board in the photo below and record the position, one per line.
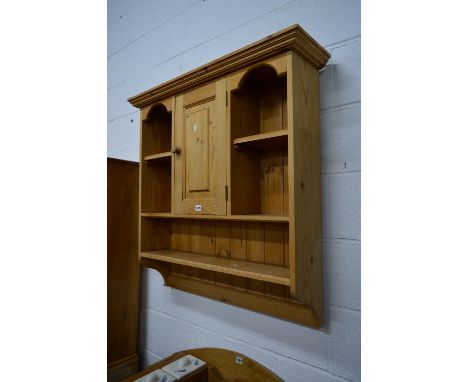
(123, 269)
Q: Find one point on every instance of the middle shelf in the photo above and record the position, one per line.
(274, 140)
(262, 272)
(165, 157)
(246, 218)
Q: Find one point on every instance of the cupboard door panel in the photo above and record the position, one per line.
(200, 168)
(197, 144)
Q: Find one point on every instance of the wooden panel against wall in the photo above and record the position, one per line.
(123, 269)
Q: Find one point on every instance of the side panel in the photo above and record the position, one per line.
(305, 206)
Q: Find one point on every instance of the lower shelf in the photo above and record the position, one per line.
(262, 272)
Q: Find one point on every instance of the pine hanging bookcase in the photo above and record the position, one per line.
(230, 184)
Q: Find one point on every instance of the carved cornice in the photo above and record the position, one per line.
(292, 38)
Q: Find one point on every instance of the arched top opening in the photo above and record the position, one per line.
(259, 120)
(259, 105)
(156, 112)
(157, 130)
(257, 77)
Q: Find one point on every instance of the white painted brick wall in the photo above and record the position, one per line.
(150, 42)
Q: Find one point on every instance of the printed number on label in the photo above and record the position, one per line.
(197, 207)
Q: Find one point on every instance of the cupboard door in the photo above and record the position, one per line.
(200, 162)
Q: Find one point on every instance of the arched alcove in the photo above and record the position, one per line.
(259, 155)
(156, 160)
(259, 103)
(157, 131)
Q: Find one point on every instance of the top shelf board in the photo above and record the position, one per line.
(275, 140)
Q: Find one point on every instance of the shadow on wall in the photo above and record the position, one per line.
(216, 316)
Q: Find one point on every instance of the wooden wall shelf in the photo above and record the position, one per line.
(255, 271)
(275, 140)
(230, 182)
(163, 157)
(242, 218)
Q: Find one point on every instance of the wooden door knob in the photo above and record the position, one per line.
(175, 150)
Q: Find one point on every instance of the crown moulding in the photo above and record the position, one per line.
(293, 38)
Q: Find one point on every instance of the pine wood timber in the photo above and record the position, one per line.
(253, 218)
(221, 365)
(293, 38)
(123, 270)
(266, 141)
(230, 176)
(239, 253)
(223, 250)
(259, 130)
(285, 309)
(274, 254)
(155, 234)
(279, 64)
(157, 131)
(305, 191)
(167, 103)
(156, 186)
(122, 368)
(231, 266)
(201, 164)
(272, 183)
(163, 157)
(155, 169)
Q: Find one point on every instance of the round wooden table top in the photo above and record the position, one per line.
(222, 366)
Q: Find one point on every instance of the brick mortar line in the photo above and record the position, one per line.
(340, 172)
(330, 239)
(123, 151)
(344, 42)
(344, 106)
